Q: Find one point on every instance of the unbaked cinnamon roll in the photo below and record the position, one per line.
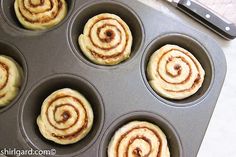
(11, 76)
(40, 14)
(174, 73)
(139, 138)
(66, 117)
(106, 40)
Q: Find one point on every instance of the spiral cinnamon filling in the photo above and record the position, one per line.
(10, 79)
(106, 39)
(109, 36)
(66, 117)
(138, 151)
(138, 139)
(178, 67)
(40, 14)
(5, 70)
(174, 72)
(46, 18)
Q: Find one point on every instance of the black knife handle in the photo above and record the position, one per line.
(208, 18)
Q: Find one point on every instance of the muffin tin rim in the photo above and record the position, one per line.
(167, 101)
(87, 61)
(211, 43)
(26, 140)
(25, 76)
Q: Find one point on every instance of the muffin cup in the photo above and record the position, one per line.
(10, 50)
(7, 7)
(82, 15)
(173, 140)
(195, 48)
(31, 109)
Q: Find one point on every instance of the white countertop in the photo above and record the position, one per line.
(220, 137)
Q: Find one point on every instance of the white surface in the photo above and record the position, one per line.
(220, 137)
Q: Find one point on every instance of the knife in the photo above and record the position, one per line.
(207, 17)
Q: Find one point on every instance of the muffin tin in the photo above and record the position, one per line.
(52, 59)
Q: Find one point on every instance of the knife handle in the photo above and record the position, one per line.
(208, 18)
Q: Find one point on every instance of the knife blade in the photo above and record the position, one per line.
(207, 17)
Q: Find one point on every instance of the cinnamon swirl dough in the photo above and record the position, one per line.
(66, 117)
(40, 14)
(106, 39)
(174, 73)
(11, 76)
(139, 138)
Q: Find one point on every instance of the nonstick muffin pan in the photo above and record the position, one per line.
(52, 60)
